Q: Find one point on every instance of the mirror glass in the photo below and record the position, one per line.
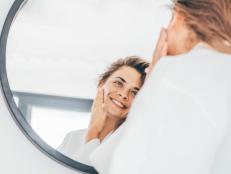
(57, 49)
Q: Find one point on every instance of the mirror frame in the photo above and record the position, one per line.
(13, 109)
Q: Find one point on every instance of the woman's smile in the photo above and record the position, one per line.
(118, 103)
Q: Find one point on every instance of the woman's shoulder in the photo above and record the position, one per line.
(72, 142)
(201, 53)
(198, 59)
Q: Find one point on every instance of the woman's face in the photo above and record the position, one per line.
(120, 90)
(178, 35)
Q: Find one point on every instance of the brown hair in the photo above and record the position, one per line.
(135, 62)
(209, 19)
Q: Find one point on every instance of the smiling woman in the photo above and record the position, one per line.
(51, 55)
(117, 89)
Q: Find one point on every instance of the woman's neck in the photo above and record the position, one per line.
(191, 40)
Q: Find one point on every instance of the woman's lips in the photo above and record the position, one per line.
(118, 103)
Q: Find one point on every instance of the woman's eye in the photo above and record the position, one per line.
(134, 93)
(118, 83)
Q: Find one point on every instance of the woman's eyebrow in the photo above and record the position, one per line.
(121, 79)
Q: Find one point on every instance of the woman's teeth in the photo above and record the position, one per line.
(118, 103)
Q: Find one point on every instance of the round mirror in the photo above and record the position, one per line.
(56, 51)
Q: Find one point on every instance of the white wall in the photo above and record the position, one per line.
(60, 47)
(17, 154)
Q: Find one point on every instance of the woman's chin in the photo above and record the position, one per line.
(116, 114)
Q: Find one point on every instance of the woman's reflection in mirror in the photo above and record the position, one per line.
(117, 88)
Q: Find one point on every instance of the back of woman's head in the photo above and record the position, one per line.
(138, 63)
(209, 19)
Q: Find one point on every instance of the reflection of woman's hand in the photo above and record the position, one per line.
(98, 116)
(161, 49)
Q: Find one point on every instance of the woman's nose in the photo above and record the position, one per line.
(123, 95)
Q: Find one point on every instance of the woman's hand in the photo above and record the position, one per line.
(98, 116)
(160, 50)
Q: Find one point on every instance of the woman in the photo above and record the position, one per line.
(196, 22)
(185, 103)
(117, 89)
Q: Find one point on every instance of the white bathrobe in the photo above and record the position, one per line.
(74, 146)
(179, 122)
